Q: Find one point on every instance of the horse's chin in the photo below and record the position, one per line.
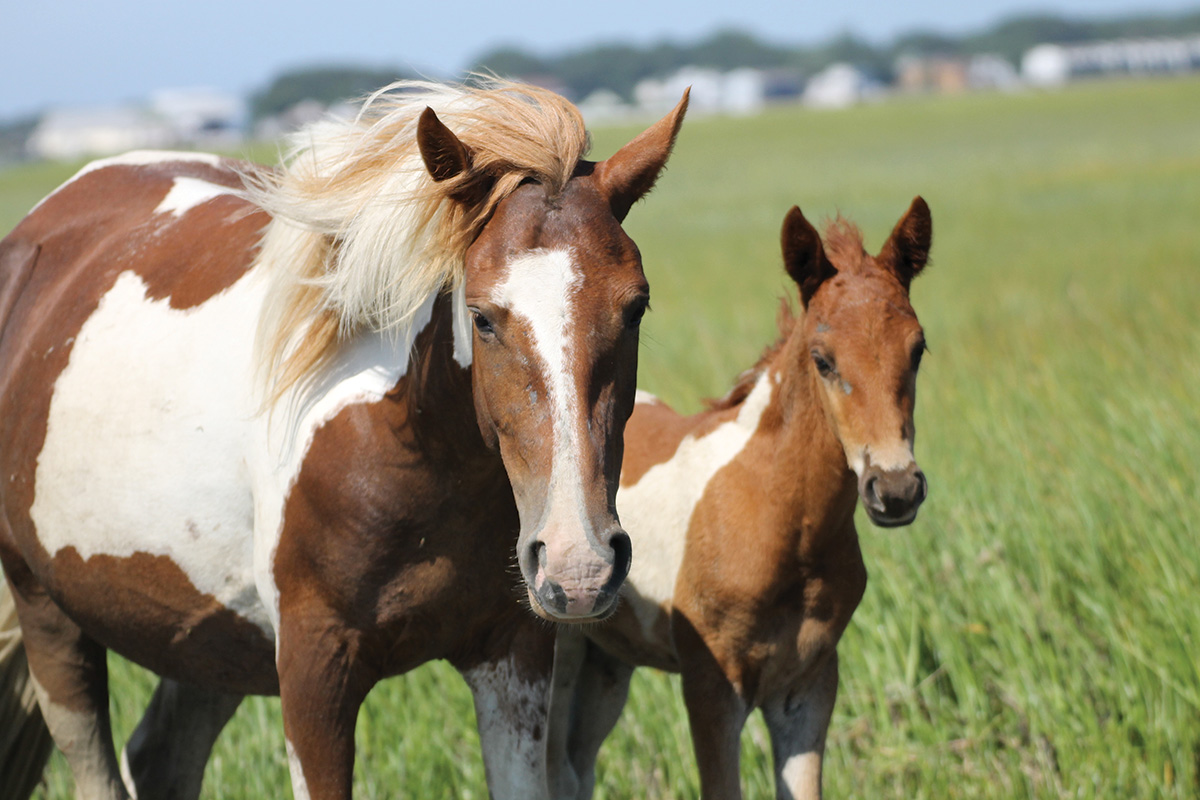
(883, 521)
(549, 615)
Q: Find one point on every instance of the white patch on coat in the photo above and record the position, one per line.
(657, 510)
(540, 288)
(644, 398)
(512, 717)
(146, 434)
(178, 460)
(296, 770)
(187, 193)
(365, 370)
(134, 159)
(801, 773)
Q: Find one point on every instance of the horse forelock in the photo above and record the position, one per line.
(844, 244)
(361, 236)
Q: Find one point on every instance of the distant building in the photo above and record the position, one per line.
(173, 118)
(78, 133)
(741, 91)
(840, 86)
(992, 72)
(603, 105)
(200, 116)
(1055, 64)
(931, 74)
(950, 74)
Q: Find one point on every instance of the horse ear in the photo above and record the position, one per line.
(803, 255)
(907, 250)
(447, 157)
(444, 154)
(630, 173)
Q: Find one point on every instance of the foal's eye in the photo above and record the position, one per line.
(482, 324)
(917, 352)
(635, 312)
(824, 366)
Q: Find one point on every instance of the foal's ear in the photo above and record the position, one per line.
(446, 157)
(630, 173)
(907, 250)
(804, 255)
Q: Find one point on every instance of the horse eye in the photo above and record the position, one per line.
(824, 367)
(917, 352)
(633, 316)
(482, 324)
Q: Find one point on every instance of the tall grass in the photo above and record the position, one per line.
(1035, 632)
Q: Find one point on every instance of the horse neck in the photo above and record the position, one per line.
(438, 399)
(817, 490)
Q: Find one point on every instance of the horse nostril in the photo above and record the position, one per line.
(922, 487)
(870, 495)
(533, 560)
(622, 558)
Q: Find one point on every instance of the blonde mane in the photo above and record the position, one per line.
(361, 236)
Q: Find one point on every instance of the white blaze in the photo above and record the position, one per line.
(540, 288)
(890, 458)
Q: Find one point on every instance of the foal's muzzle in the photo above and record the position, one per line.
(891, 497)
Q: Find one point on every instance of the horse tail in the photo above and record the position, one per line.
(25, 742)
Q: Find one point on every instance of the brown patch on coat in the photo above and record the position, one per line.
(390, 565)
(144, 607)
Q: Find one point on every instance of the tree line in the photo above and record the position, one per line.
(619, 67)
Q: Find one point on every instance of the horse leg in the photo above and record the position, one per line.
(590, 690)
(716, 714)
(570, 648)
(25, 742)
(797, 724)
(70, 677)
(322, 684)
(166, 755)
(512, 702)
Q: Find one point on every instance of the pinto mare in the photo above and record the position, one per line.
(443, 311)
(748, 508)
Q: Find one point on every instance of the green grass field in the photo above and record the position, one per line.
(1036, 633)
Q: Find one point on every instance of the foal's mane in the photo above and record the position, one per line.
(843, 245)
(361, 236)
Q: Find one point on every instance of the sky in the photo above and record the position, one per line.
(66, 53)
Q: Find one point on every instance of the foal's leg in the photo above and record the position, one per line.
(590, 690)
(570, 648)
(512, 705)
(166, 755)
(716, 715)
(70, 674)
(797, 725)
